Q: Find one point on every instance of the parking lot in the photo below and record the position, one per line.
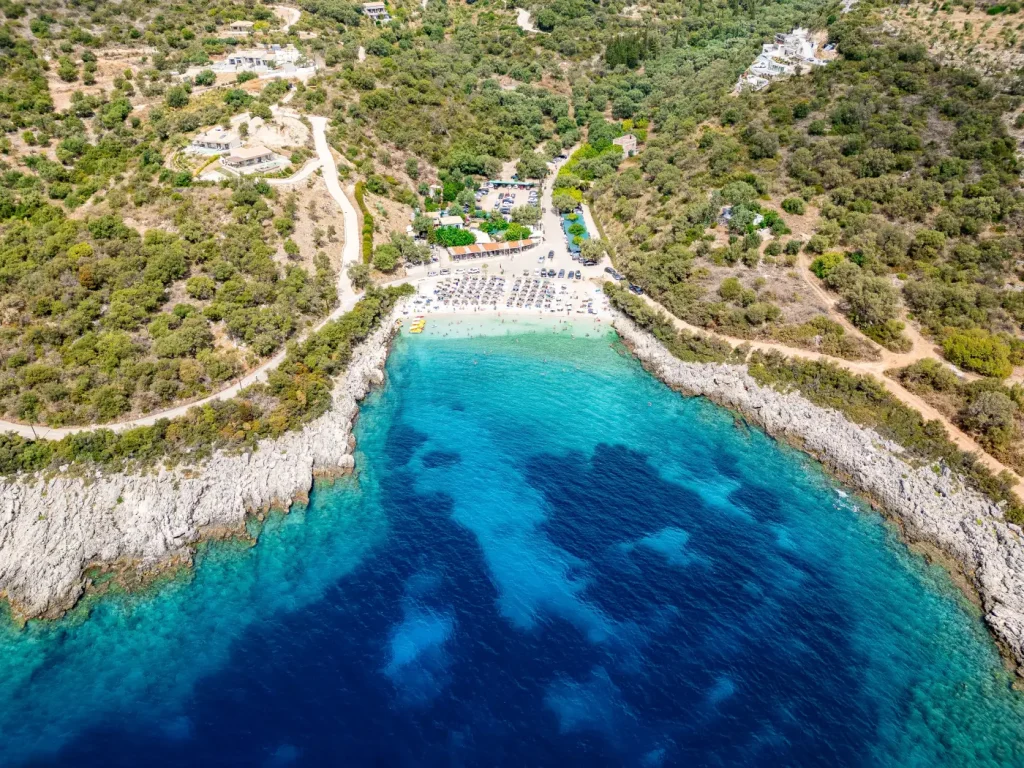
(503, 200)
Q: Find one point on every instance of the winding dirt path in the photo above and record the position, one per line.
(920, 348)
(290, 16)
(875, 369)
(347, 300)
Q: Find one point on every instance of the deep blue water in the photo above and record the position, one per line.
(546, 559)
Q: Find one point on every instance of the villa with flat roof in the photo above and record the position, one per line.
(788, 55)
(251, 159)
(270, 57)
(215, 141)
(241, 27)
(376, 11)
(451, 221)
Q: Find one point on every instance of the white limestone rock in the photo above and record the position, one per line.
(937, 509)
(52, 530)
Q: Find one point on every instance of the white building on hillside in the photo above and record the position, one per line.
(215, 141)
(270, 57)
(376, 11)
(790, 54)
(241, 27)
(254, 159)
(628, 144)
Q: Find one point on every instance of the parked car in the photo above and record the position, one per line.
(561, 273)
(578, 275)
(636, 289)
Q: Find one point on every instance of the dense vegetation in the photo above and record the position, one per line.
(100, 320)
(893, 179)
(127, 285)
(992, 412)
(903, 169)
(296, 392)
(862, 399)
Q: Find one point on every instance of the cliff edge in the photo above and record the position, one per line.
(53, 529)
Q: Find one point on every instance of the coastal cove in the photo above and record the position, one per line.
(514, 575)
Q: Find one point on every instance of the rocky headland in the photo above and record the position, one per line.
(932, 505)
(53, 529)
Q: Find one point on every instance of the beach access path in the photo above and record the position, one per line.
(346, 300)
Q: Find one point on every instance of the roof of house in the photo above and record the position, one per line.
(248, 153)
(450, 220)
(373, 6)
(463, 250)
(242, 23)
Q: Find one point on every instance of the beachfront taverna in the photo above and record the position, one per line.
(483, 250)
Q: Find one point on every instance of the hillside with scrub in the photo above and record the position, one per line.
(128, 284)
(866, 211)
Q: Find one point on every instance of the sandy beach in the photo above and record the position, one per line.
(463, 325)
(552, 306)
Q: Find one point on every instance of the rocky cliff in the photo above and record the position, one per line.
(53, 529)
(931, 505)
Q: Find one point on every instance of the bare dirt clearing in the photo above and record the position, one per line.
(110, 64)
(966, 38)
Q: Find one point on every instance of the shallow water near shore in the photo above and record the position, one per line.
(546, 558)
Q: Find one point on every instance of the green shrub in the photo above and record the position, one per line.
(452, 236)
(826, 263)
(367, 231)
(975, 349)
(794, 205)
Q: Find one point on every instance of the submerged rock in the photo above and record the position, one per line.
(52, 529)
(936, 509)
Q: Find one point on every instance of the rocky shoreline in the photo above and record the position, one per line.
(54, 529)
(932, 506)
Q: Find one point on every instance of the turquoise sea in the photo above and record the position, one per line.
(546, 558)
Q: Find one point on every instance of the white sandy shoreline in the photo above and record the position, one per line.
(494, 323)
